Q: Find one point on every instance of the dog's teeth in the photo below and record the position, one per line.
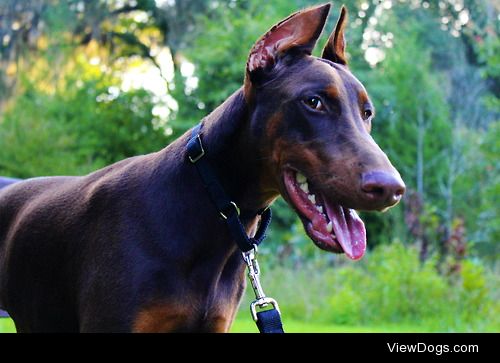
(300, 178)
(312, 198)
(329, 227)
(319, 208)
(305, 187)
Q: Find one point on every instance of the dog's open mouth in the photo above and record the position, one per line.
(331, 226)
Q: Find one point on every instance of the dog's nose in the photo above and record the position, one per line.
(383, 188)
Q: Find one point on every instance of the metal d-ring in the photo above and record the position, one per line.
(235, 208)
(262, 303)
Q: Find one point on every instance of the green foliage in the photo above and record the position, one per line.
(412, 123)
(389, 286)
(399, 286)
(474, 292)
(479, 187)
(80, 126)
(347, 304)
(219, 50)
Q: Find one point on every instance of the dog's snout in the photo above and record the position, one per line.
(383, 188)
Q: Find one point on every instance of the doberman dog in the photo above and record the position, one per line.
(139, 247)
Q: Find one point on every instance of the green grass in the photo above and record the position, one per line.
(244, 325)
(7, 326)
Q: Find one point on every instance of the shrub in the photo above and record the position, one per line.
(390, 286)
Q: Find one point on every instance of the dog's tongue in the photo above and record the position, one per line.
(349, 230)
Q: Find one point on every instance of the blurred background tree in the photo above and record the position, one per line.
(84, 83)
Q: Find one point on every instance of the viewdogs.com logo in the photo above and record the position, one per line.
(437, 349)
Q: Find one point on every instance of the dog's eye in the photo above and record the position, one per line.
(367, 114)
(314, 103)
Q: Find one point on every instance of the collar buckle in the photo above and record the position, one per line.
(192, 146)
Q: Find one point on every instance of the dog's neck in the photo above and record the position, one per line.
(235, 159)
(235, 154)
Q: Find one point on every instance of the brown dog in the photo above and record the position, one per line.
(139, 246)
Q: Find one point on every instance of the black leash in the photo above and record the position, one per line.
(269, 320)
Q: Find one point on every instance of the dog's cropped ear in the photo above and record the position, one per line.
(299, 31)
(335, 47)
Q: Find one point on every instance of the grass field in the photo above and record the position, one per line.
(291, 326)
(7, 326)
(243, 325)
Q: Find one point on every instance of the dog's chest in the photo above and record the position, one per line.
(187, 316)
(193, 311)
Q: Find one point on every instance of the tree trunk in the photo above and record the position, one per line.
(420, 153)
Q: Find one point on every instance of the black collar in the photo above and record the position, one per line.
(227, 209)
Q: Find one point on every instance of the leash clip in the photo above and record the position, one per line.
(262, 301)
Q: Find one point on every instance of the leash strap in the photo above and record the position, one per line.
(268, 321)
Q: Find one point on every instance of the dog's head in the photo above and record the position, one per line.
(312, 119)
